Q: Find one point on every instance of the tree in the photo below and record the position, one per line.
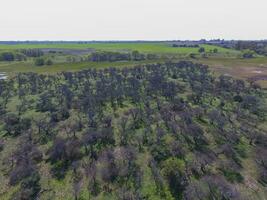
(201, 50)
(136, 55)
(248, 54)
(39, 62)
(2, 144)
(30, 187)
(7, 56)
(91, 173)
(15, 125)
(174, 171)
(49, 62)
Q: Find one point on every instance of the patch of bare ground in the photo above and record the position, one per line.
(256, 74)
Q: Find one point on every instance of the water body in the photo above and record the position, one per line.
(3, 76)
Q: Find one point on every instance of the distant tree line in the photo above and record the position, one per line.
(20, 55)
(186, 45)
(103, 56)
(259, 47)
(12, 56)
(32, 52)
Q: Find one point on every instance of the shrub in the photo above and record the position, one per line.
(201, 50)
(7, 56)
(232, 176)
(39, 62)
(49, 62)
(248, 54)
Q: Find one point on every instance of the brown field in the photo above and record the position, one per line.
(247, 69)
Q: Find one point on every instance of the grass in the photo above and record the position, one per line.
(145, 47)
(237, 67)
(215, 62)
(225, 62)
(16, 67)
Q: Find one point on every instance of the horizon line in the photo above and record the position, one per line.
(168, 40)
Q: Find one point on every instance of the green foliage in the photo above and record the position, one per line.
(30, 187)
(232, 176)
(143, 47)
(39, 61)
(215, 50)
(158, 131)
(49, 62)
(6, 56)
(173, 166)
(248, 54)
(201, 50)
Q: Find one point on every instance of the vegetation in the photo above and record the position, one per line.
(116, 56)
(39, 62)
(156, 131)
(256, 46)
(133, 120)
(142, 47)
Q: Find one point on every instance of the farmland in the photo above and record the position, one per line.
(152, 47)
(79, 52)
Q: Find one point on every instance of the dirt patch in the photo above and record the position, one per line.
(257, 72)
(241, 71)
(259, 78)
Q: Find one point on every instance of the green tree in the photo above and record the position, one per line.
(49, 62)
(201, 50)
(39, 62)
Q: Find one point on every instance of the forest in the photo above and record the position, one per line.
(169, 130)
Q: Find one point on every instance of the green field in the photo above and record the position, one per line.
(16, 67)
(164, 50)
(159, 47)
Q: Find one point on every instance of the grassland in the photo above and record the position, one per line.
(158, 47)
(239, 68)
(16, 67)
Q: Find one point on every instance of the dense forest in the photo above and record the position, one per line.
(156, 131)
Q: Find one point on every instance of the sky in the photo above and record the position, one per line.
(132, 19)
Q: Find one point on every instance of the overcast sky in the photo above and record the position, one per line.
(132, 19)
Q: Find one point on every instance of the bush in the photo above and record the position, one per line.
(201, 50)
(39, 62)
(49, 62)
(232, 176)
(30, 187)
(192, 55)
(7, 56)
(14, 125)
(215, 50)
(248, 54)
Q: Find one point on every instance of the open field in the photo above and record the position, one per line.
(255, 68)
(159, 47)
(17, 67)
(247, 69)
